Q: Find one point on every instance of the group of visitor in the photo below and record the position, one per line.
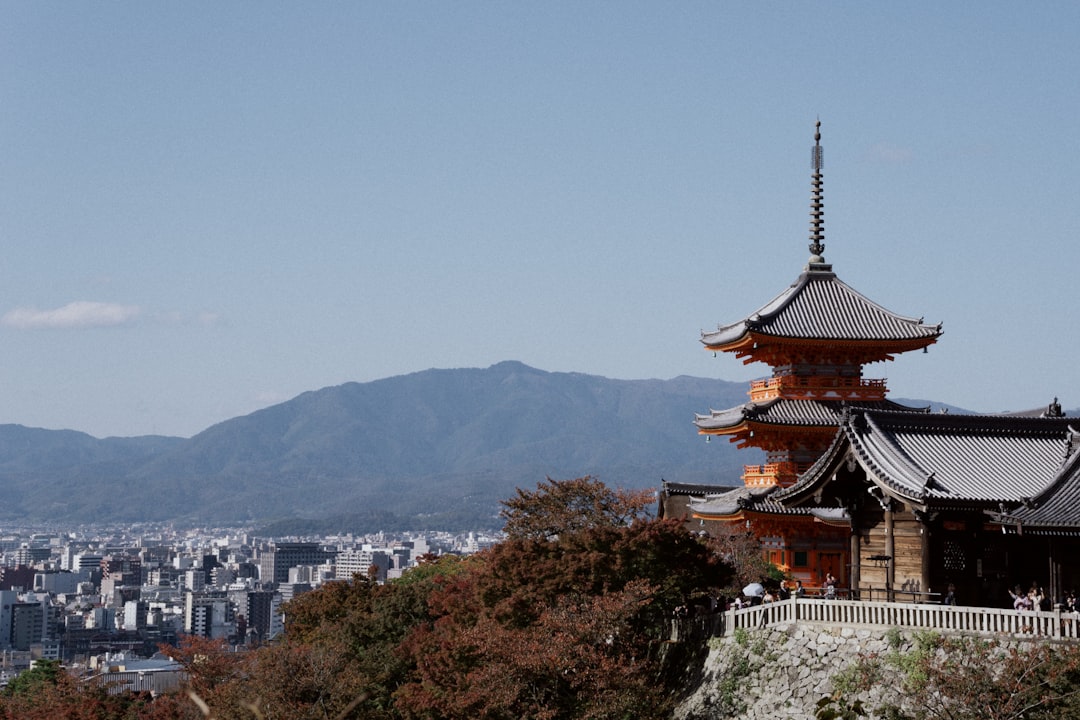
(830, 586)
(784, 591)
(1034, 599)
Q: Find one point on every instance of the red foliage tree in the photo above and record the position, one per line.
(558, 507)
(578, 659)
(561, 620)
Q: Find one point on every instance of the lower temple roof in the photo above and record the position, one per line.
(798, 413)
(945, 459)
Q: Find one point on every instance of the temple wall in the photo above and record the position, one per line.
(906, 551)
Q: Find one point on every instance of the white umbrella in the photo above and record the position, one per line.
(753, 590)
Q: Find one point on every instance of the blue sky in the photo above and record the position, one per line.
(208, 208)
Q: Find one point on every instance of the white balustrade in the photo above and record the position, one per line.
(941, 618)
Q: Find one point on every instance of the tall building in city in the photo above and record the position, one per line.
(360, 562)
(27, 624)
(274, 563)
(128, 566)
(8, 600)
(135, 613)
(260, 610)
(209, 614)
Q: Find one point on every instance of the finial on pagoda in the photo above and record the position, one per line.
(817, 212)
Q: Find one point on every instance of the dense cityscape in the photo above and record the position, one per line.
(103, 598)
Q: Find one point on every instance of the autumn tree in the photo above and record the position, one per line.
(48, 692)
(564, 618)
(576, 660)
(741, 552)
(339, 656)
(208, 663)
(557, 507)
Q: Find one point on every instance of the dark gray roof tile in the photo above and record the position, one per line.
(942, 458)
(820, 306)
(781, 411)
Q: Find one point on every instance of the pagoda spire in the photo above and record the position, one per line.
(817, 203)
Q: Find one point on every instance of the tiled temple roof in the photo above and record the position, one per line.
(941, 459)
(678, 488)
(755, 500)
(819, 306)
(729, 502)
(781, 411)
(1054, 511)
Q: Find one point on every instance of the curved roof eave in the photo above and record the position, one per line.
(941, 460)
(722, 421)
(725, 335)
(818, 473)
(726, 506)
(884, 461)
(833, 310)
(1057, 506)
(844, 446)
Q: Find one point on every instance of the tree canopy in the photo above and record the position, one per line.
(566, 618)
(557, 507)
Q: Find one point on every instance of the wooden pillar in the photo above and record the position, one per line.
(1054, 588)
(890, 550)
(924, 570)
(856, 556)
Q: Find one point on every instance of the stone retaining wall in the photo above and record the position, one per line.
(783, 671)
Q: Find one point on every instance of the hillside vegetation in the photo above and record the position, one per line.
(434, 449)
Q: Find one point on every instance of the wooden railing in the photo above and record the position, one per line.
(817, 386)
(774, 473)
(943, 618)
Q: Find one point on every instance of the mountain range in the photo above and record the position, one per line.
(435, 449)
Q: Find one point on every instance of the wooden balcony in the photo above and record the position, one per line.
(774, 473)
(817, 387)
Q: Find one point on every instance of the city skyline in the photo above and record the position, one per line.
(208, 211)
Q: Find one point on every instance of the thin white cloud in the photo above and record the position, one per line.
(79, 314)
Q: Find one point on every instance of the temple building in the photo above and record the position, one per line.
(896, 502)
(817, 336)
(980, 502)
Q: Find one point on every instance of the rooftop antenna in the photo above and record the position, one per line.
(817, 203)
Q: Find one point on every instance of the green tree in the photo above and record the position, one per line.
(44, 674)
(48, 692)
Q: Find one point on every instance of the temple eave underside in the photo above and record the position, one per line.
(774, 351)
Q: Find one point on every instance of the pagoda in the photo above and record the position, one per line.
(894, 501)
(816, 336)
